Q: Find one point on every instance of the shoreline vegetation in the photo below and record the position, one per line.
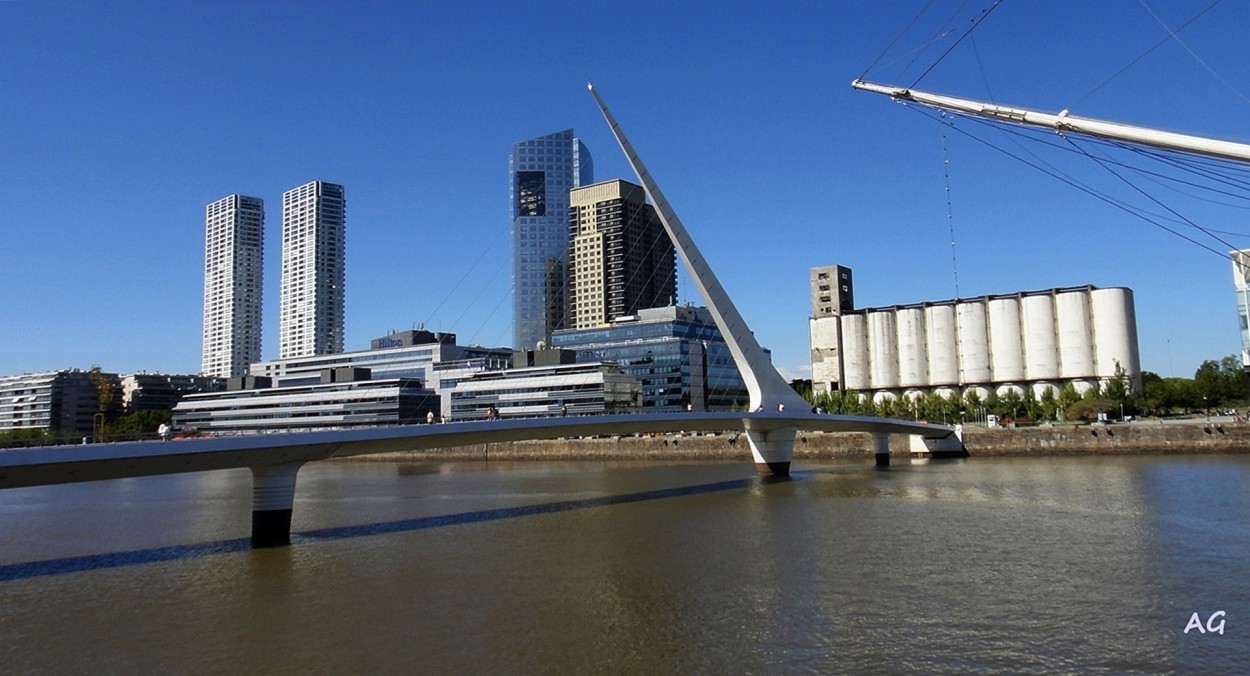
(1220, 435)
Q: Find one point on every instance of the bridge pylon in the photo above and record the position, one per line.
(772, 448)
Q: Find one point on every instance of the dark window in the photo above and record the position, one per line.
(531, 193)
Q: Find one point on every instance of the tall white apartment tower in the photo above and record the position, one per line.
(313, 271)
(233, 262)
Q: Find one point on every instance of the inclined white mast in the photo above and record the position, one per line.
(1065, 123)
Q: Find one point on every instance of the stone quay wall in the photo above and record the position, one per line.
(1143, 437)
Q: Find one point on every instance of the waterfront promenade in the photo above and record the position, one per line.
(1151, 436)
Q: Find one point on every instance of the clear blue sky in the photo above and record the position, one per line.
(122, 120)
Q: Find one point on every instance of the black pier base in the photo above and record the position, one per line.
(271, 528)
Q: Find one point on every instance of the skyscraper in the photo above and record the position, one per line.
(313, 270)
(621, 260)
(542, 172)
(233, 261)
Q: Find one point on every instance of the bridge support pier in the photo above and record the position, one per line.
(273, 497)
(950, 446)
(772, 450)
(881, 448)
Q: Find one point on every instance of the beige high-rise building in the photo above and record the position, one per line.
(620, 258)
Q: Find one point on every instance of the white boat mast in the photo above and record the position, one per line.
(1064, 123)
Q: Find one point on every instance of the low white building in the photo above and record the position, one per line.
(339, 401)
(572, 389)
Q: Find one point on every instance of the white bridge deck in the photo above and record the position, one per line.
(93, 462)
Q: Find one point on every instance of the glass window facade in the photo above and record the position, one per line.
(542, 170)
(677, 353)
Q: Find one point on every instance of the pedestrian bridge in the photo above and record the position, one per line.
(275, 459)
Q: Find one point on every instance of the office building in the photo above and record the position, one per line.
(341, 398)
(542, 171)
(161, 391)
(1026, 342)
(233, 270)
(310, 320)
(65, 401)
(621, 260)
(676, 353)
(555, 389)
(433, 358)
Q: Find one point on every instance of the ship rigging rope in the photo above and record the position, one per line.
(916, 52)
(1174, 34)
(1175, 159)
(1134, 211)
(897, 38)
(1150, 197)
(985, 13)
(1171, 34)
(950, 212)
(1201, 167)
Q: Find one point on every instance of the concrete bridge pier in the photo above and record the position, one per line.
(881, 448)
(773, 450)
(273, 497)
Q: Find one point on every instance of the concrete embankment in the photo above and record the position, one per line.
(1122, 439)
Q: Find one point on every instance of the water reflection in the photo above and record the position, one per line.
(986, 565)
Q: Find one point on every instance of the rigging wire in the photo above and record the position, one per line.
(1143, 55)
(981, 69)
(484, 250)
(1011, 132)
(1167, 182)
(1180, 161)
(897, 38)
(1173, 34)
(1150, 197)
(985, 13)
(950, 213)
(1085, 189)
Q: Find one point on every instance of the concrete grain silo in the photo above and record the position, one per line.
(855, 353)
(1006, 342)
(1075, 334)
(974, 343)
(913, 362)
(1041, 351)
(943, 344)
(1115, 334)
(883, 349)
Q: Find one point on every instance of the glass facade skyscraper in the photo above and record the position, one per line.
(542, 171)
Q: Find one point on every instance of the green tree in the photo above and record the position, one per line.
(1222, 383)
(1047, 405)
(1012, 404)
(139, 423)
(1068, 396)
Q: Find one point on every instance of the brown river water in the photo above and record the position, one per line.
(990, 565)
